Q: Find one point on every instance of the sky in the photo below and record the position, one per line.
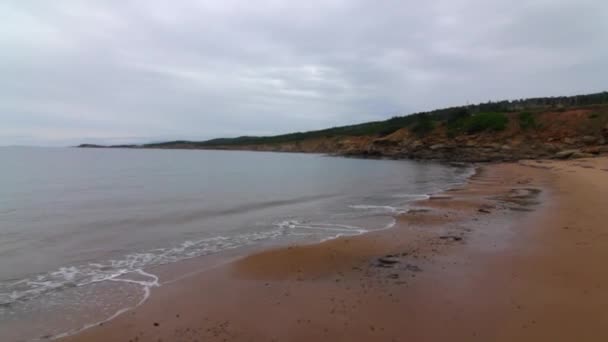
(123, 71)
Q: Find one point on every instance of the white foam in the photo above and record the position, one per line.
(320, 226)
(332, 237)
(412, 197)
(146, 286)
(133, 263)
(381, 208)
(361, 231)
(390, 224)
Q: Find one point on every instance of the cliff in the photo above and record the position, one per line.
(580, 132)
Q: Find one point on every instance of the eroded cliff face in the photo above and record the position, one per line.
(558, 134)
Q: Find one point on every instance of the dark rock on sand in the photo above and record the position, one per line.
(581, 155)
(565, 154)
(451, 237)
(387, 260)
(440, 197)
(413, 268)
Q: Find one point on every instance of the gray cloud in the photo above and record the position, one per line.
(136, 71)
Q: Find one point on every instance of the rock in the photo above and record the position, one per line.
(388, 260)
(566, 154)
(483, 210)
(385, 142)
(440, 197)
(416, 144)
(437, 147)
(417, 211)
(552, 148)
(595, 149)
(569, 141)
(601, 141)
(413, 268)
(505, 147)
(450, 237)
(581, 155)
(589, 139)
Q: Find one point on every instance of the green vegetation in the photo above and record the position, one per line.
(378, 128)
(424, 124)
(598, 119)
(458, 116)
(527, 121)
(486, 122)
(457, 121)
(599, 113)
(467, 123)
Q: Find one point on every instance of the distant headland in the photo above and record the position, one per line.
(548, 127)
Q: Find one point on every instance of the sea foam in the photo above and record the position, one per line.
(120, 269)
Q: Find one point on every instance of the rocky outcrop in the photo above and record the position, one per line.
(589, 139)
(565, 154)
(477, 148)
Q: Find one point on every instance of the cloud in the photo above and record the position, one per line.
(134, 71)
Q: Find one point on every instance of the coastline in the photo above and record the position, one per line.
(551, 128)
(481, 262)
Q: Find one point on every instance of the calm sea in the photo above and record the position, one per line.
(76, 223)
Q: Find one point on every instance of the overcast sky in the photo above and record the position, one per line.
(137, 71)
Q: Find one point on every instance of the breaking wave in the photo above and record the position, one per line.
(120, 269)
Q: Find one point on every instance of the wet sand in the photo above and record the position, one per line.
(518, 254)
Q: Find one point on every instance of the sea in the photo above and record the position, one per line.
(79, 225)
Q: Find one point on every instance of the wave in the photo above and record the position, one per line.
(322, 226)
(412, 197)
(379, 208)
(120, 269)
(146, 285)
(129, 267)
(192, 215)
(387, 226)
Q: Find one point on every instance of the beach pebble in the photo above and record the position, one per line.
(388, 260)
(450, 237)
(439, 197)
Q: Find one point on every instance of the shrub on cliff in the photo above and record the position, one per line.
(527, 120)
(423, 124)
(458, 116)
(486, 122)
(456, 122)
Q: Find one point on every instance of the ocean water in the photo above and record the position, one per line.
(76, 224)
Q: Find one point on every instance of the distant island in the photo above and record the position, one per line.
(548, 127)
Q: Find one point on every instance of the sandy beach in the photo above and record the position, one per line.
(515, 255)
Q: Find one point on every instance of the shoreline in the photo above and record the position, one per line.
(491, 152)
(77, 304)
(405, 282)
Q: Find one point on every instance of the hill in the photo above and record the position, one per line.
(504, 130)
